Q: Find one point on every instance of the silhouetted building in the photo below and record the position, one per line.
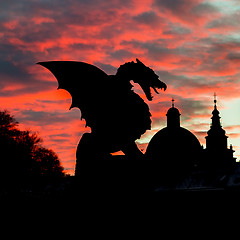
(178, 160)
(217, 155)
(173, 151)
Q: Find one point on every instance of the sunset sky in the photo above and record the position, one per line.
(193, 45)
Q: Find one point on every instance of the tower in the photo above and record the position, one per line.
(218, 155)
(216, 138)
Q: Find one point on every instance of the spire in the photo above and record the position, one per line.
(173, 102)
(215, 118)
(215, 98)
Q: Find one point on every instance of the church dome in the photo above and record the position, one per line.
(177, 144)
(173, 148)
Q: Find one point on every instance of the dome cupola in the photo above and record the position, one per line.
(173, 117)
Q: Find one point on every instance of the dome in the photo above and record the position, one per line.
(173, 149)
(173, 111)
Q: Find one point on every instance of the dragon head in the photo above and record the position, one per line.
(147, 79)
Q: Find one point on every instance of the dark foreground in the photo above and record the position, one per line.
(73, 188)
(94, 208)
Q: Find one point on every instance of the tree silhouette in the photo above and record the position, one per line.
(46, 163)
(21, 154)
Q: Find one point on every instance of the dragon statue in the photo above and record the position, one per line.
(116, 114)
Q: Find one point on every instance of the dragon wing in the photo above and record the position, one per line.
(82, 80)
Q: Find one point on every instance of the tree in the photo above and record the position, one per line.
(21, 154)
(46, 163)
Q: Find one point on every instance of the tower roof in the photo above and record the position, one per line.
(173, 110)
(173, 116)
(215, 116)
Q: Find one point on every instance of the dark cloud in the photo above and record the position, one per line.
(11, 53)
(158, 50)
(181, 80)
(60, 138)
(62, 15)
(11, 71)
(173, 5)
(190, 108)
(11, 75)
(35, 87)
(122, 54)
(16, 74)
(234, 56)
(226, 22)
(181, 9)
(205, 8)
(108, 68)
(14, 65)
(217, 44)
(190, 12)
(71, 48)
(147, 18)
(47, 31)
(177, 30)
(110, 31)
(155, 50)
(47, 118)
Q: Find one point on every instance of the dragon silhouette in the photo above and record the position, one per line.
(116, 114)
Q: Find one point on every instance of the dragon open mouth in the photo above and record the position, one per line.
(156, 91)
(157, 85)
